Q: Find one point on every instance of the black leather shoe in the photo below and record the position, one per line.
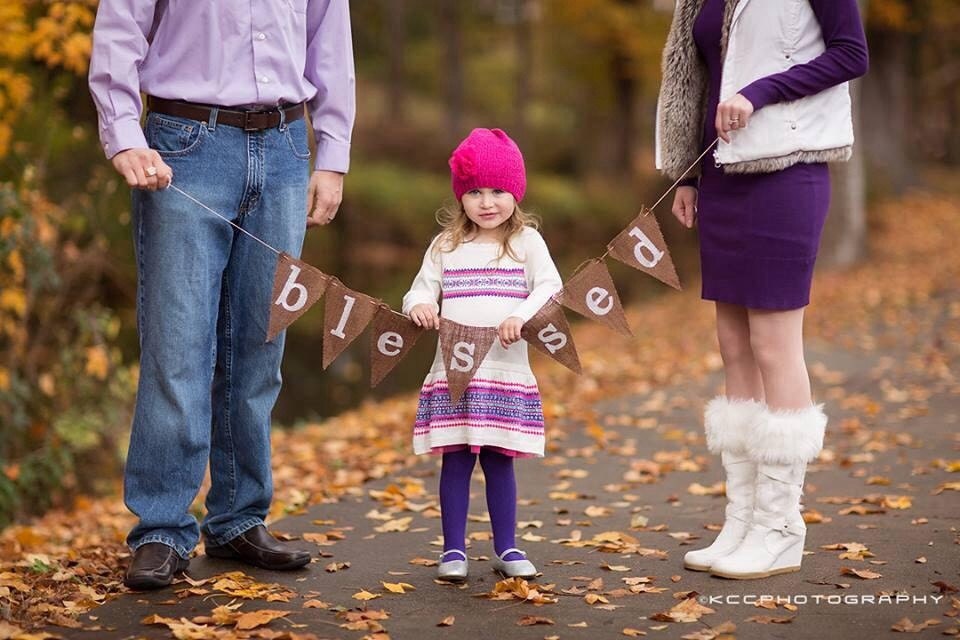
(154, 565)
(257, 547)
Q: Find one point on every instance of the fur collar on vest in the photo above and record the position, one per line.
(683, 101)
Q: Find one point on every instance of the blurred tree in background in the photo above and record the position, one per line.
(575, 81)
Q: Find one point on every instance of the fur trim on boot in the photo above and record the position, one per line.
(730, 424)
(787, 437)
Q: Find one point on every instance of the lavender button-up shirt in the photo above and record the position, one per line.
(227, 53)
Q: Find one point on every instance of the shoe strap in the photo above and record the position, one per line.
(775, 522)
(444, 554)
(509, 551)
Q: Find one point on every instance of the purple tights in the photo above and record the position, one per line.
(501, 498)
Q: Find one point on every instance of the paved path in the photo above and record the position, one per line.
(891, 421)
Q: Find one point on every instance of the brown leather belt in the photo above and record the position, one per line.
(246, 120)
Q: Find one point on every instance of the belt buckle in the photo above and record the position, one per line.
(247, 124)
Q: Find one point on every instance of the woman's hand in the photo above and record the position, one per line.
(685, 206)
(733, 114)
(424, 315)
(509, 331)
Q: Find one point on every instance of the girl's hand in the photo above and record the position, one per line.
(424, 315)
(685, 206)
(509, 330)
(733, 114)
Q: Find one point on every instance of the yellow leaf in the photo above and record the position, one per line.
(254, 619)
(316, 604)
(98, 364)
(446, 622)
(633, 633)
(398, 525)
(363, 595)
(14, 300)
(897, 502)
(398, 587)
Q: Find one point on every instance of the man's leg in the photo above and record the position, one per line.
(248, 368)
(181, 253)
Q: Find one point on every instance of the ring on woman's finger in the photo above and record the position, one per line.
(151, 171)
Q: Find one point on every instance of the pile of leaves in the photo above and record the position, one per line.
(66, 563)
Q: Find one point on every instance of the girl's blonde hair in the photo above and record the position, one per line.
(456, 227)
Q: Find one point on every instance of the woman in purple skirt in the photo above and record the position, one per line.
(769, 78)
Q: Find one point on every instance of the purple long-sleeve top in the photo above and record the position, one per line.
(260, 52)
(844, 58)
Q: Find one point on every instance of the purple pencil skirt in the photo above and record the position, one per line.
(759, 234)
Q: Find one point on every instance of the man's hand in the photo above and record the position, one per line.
(143, 169)
(323, 197)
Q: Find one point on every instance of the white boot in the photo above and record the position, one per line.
(784, 443)
(729, 425)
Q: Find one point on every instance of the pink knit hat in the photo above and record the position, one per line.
(488, 158)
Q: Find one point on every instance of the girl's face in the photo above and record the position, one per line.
(488, 209)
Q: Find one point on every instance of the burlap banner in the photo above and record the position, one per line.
(549, 332)
(296, 287)
(591, 293)
(392, 338)
(641, 246)
(463, 348)
(346, 314)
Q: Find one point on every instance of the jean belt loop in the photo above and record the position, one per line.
(212, 120)
(283, 118)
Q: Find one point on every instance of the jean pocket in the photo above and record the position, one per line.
(171, 136)
(296, 135)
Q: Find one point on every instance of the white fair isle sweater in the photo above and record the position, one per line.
(501, 407)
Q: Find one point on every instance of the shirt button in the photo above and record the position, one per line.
(264, 80)
(793, 125)
(261, 36)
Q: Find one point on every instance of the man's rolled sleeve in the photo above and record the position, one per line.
(120, 136)
(330, 68)
(332, 155)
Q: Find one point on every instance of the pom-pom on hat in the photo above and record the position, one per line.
(488, 158)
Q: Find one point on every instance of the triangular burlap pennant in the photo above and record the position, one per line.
(591, 293)
(642, 247)
(392, 338)
(346, 315)
(549, 332)
(463, 348)
(296, 287)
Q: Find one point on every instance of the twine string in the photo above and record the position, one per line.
(644, 210)
(648, 210)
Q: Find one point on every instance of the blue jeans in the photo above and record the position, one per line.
(208, 380)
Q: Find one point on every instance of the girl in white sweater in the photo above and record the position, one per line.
(491, 268)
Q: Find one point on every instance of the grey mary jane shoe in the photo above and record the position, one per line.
(452, 570)
(514, 568)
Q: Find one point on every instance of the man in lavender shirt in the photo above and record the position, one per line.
(227, 84)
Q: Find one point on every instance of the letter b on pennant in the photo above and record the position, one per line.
(296, 287)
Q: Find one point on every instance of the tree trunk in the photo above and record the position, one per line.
(523, 32)
(845, 233)
(844, 240)
(885, 111)
(625, 92)
(396, 17)
(453, 64)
